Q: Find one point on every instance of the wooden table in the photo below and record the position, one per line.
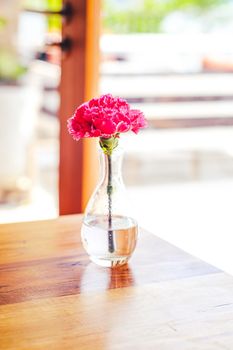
(52, 297)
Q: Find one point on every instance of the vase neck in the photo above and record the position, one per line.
(111, 165)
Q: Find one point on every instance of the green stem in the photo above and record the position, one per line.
(109, 192)
(108, 145)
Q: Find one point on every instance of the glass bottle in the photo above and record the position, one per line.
(109, 233)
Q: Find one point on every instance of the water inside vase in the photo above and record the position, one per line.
(95, 237)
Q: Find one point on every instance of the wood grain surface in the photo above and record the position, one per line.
(52, 296)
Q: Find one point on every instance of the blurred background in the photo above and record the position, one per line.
(172, 59)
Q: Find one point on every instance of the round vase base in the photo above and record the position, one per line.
(110, 261)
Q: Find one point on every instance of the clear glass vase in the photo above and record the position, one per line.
(109, 233)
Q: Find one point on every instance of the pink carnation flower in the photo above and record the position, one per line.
(105, 117)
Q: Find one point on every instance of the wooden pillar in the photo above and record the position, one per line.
(79, 79)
